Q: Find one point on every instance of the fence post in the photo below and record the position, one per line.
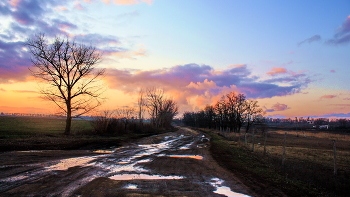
(265, 139)
(335, 158)
(284, 148)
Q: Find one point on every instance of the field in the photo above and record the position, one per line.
(21, 127)
(37, 133)
(308, 168)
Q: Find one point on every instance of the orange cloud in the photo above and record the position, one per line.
(202, 86)
(328, 96)
(275, 71)
(236, 65)
(60, 9)
(127, 54)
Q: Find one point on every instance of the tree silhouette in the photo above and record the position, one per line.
(69, 71)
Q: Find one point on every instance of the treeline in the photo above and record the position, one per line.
(230, 113)
(152, 103)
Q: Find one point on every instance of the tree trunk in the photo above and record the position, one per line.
(69, 118)
(68, 123)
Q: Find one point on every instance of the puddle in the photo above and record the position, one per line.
(64, 164)
(131, 186)
(186, 147)
(224, 190)
(103, 151)
(120, 177)
(186, 156)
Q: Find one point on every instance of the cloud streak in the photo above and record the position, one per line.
(343, 33)
(328, 96)
(310, 40)
(278, 107)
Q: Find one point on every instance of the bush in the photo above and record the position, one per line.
(113, 126)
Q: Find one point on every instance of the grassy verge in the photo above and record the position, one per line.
(33, 133)
(300, 176)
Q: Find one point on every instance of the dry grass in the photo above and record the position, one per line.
(309, 157)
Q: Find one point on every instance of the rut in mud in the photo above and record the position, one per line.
(172, 164)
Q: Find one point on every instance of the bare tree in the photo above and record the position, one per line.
(70, 72)
(161, 109)
(141, 103)
(252, 111)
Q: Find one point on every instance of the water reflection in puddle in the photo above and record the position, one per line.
(186, 156)
(64, 164)
(224, 190)
(142, 176)
(103, 151)
(131, 186)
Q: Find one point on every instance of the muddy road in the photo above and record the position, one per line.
(171, 164)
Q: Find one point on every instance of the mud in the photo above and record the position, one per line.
(171, 164)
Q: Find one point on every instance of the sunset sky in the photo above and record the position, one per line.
(292, 56)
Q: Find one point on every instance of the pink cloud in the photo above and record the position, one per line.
(60, 9)
(328, 96)
(332, 71)
(78, 6)
(14, 3)
(278, 107)
(275, 71)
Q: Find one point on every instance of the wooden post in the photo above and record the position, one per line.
(284, 148)
(265, 138)
(253, 135)
(335, 158)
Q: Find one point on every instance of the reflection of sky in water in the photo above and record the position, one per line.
(224, 190)
(142, 176)
(187, 156)
(131, 186)
(64, 164)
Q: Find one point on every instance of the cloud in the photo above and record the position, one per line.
(332, 71)
(127, 2)
(343, 33)
(314, 38)
(192, 83)
(14, 62)
(78, 6)
(27, 17)
(275, 71)
(278, 107)
(328, 96)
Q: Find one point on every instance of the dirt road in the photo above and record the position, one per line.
(171, 164)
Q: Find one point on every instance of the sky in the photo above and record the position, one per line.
(292, 56)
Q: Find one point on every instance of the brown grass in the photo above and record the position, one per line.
(309, 157)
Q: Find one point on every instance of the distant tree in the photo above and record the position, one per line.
(70, 71)
(251, 115)
(162, 110)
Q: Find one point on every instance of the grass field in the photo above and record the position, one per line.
(22, 127)
(38, 133)
(308, 167)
